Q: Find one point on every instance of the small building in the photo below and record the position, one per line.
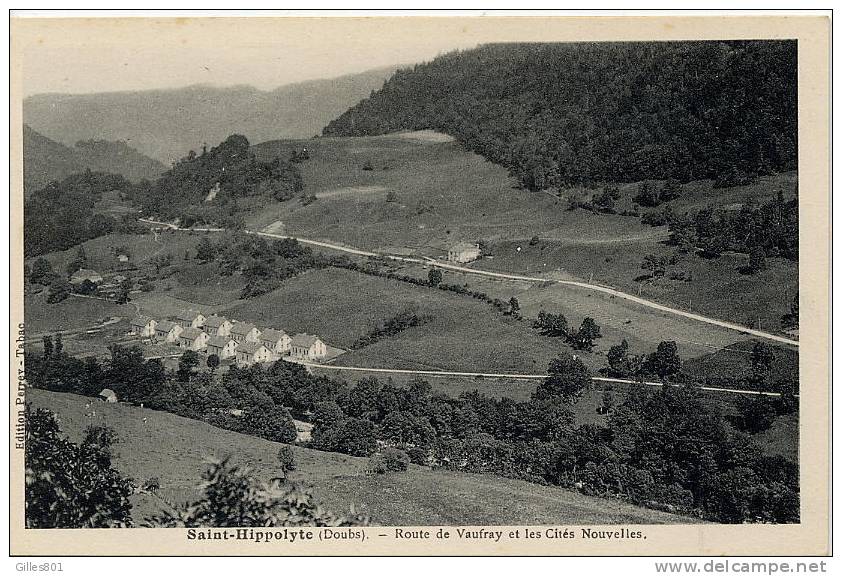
(252, 353)
(123, 257)
(277, 341)
(193, 339)
(217, 325)
(108, 395)
(168, 331)
(143, 326)
(307, 347)
(190, 319)
(245, 332)
(83, 274)
(463, 252)
(223, 346)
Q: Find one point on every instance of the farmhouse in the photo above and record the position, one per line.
(83, 274)
(190, 319)
(251, 353)
(245, 332)
(193, 339)
(307, 347)
(217, 325)
(108, 395)
(223, 346)
(463, 252)
(276, 341)
(143, 326)
(168, 331)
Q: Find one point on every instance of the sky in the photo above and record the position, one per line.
(100, 55)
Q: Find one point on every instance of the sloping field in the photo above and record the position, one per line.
(172, 449)
(441, 194)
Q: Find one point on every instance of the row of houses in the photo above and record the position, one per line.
(242, 341)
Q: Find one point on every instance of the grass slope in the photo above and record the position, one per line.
(440, 193)
(172, 449)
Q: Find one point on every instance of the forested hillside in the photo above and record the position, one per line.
(559, 114)
(206, 187)
(45, 160)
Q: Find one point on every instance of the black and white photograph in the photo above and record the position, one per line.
(371, 277)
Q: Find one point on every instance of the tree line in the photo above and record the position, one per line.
(668, 449)
(573, 113)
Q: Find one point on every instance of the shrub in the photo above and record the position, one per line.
(389, 460)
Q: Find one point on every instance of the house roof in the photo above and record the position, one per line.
(83, 274)
(220, 341)
(108, 393)
(187, 315)
(242, 328)
(191, 333)
(165, 326)
(272, 335)
(462, 246)
(215, 321)
(141, 320)
(304, 340)
(249, 348)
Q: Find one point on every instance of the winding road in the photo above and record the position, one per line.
(438, 264)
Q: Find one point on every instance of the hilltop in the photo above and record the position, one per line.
(45, 160)
(167, 124)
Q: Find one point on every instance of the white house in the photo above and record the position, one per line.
(217, 325)
(276, 341)
(144, 326)
(245, 332)
(307, 347)
(168, 331)
(463, 252)
(83, 274)
(251, 353)
(222, 346)
(190, 319)
(193, 339)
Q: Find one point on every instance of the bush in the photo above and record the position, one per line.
(418, 455)
(389, 460)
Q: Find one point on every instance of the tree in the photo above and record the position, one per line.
(352, 436)
(59, 290)
(86, 287)
(286, 460)
(205, 251)
(70, 485)
(607, 400)
(646, 195)
(78, 261)
(762, 358)
(551, 324)
(670, 190)
(434, 277)
(42, 272)
(567, 378)
(664, 362)
(583, 339)
(619, 364)
(212, 362)
(656, 265)
(188, 361)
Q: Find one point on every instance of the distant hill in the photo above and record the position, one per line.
(45, 160)
(166, 124)
(572, 113)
